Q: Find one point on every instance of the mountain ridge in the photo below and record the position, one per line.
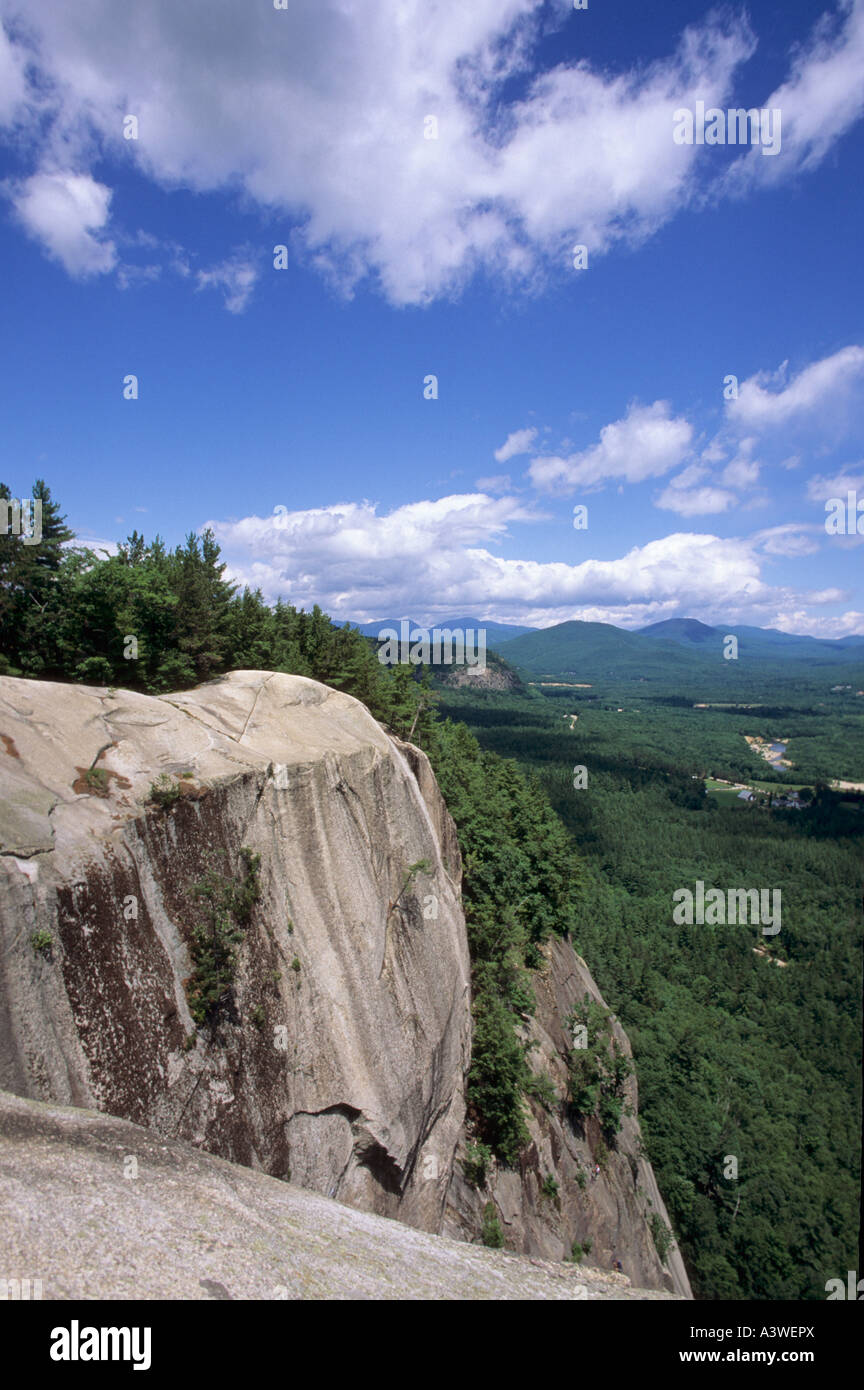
(682, 646)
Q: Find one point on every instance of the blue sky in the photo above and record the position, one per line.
(286, 407)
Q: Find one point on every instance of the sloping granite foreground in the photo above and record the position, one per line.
(100, 1208)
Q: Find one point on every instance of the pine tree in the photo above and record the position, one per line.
(29, 579)
(202, 608)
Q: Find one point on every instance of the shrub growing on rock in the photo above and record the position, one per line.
(491, 1234)
(228, 904)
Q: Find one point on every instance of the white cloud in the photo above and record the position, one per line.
(849, 624)
(316, 115)
(354, 533)
(501, 482)
(98, 544)
(130, 275)
(519, 442)
(434, 558)
(685, 496)
(13, 86)
(820, 100)
(789, 539)
(645, 444)
(742, 472)
(67, 212)
(236, 277)
(820, 384)
(698, 501)
(714, 452)
(689, 477)
(820, 488)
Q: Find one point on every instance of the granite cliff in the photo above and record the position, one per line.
(131, 828)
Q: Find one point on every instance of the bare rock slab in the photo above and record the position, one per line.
(98, 1208)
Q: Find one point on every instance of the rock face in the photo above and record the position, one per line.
(97, 1208)
(344, 1057)
(339, 1059)
(497, 675)
(608, 1213)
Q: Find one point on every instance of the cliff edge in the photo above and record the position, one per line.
(328, 1042)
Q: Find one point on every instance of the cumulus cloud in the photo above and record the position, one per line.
(435, 557)
(236, 278)
(318, 114)
(97, 544)
(849, 624)
(465, 517)
(715, 451)
(741, 472)
(645, 444)
(819, 385)
(67, 213)
(689, 495)
(519, 442)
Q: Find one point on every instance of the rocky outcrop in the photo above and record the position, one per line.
(342, 1056)
(607, 1213)
(96, 1208)
(338, 1057)
(496, 675)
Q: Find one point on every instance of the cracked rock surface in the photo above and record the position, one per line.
(341, 1057)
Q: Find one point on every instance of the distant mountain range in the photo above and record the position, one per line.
(689, 632)
(676, 647)
(679, 646)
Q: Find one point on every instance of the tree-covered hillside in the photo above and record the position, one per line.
(690, 653)
(748, 1047)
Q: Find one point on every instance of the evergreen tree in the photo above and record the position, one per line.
(29, 579)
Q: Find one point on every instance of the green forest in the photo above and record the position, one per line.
(746, 1046)
(737, 1054)
(154, 619)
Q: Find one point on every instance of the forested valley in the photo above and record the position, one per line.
(747, 1046)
